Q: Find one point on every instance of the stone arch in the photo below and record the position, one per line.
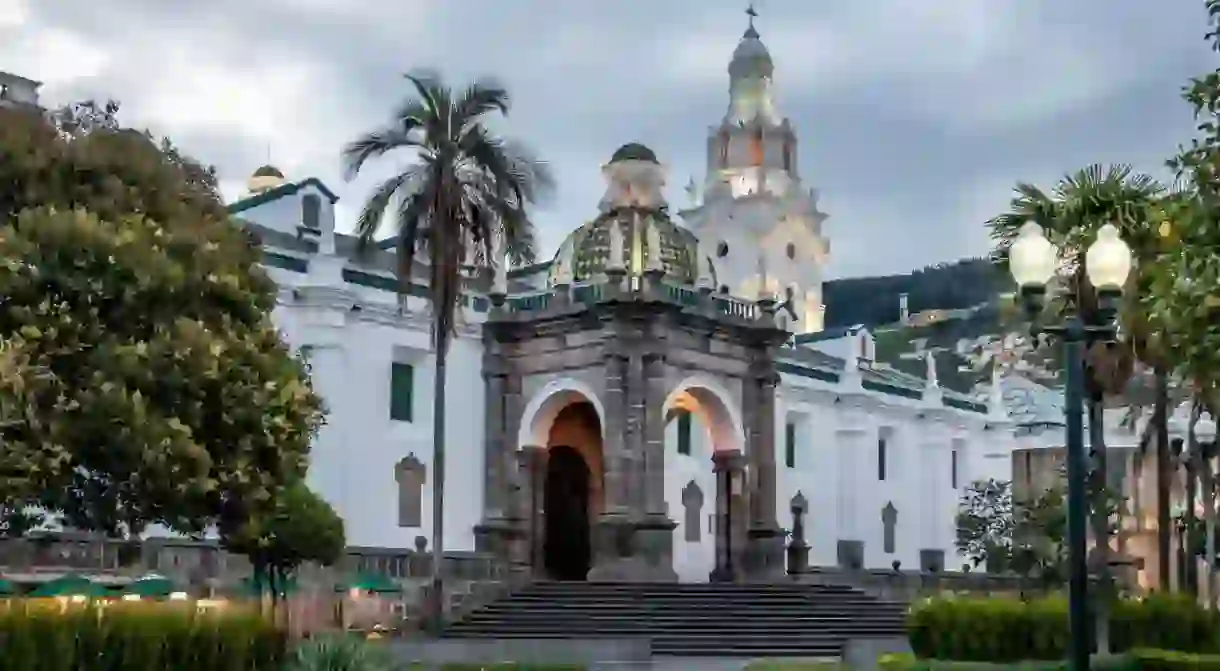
(544, 407)
(706, 396)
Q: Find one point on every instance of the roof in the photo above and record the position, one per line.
(288, 189)
(589, 245)
(268, 171)
(634, 151)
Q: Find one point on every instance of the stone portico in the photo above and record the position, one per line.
(634, 348)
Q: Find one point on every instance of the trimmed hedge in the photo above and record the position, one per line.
(138, 636)
(1010, 630)
(1136, 660)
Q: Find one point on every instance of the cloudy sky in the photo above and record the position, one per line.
(915, 116)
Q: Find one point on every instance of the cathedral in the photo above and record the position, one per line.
(659, 402)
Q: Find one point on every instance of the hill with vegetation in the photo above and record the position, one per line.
(874, 301)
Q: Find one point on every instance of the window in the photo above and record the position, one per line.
(790, 445)
(1029, 468)
(791, 250)
(953, 468)
(724, 289)
(402, 384)
(788, 156)
(724, 149)
(311, 208)
(722, 249)
(881, 458)
(683, 432)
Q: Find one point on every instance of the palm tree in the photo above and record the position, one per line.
(1071, 213)
(466, 193)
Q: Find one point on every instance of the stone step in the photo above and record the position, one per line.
(502, 613)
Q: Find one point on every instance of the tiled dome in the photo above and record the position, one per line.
(589, 246)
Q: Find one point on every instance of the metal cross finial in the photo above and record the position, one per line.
(750, 12)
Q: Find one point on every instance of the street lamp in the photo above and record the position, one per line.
(1033, 261)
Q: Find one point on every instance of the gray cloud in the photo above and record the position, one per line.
(915, 118)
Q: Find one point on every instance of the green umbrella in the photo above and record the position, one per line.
(151, 586)
(369, 582)
(71, 585)
(7, 588)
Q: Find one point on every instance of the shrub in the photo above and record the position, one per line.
(1010, 630)
(42, 636)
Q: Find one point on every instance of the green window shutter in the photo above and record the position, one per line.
(790, 445)
(402, 388)
(683, 432)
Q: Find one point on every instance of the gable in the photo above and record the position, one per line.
(282, 191)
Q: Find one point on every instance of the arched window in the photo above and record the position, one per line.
(756, 148)
(787, 156)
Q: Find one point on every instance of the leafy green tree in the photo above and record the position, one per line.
(170, 397)
(985, 524)
(467, 192)
(296, 527)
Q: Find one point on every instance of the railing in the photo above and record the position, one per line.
(591, 293)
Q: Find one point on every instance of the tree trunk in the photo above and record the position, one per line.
(1101, 525)
(1192, 488)
(1209, 520)
(438, 492)
(1164, 464)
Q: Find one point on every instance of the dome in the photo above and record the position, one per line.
(634, 151)
(264, 179)
(586, 252)
(751, 57)
(268, 171)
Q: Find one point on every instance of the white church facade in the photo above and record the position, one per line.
(649, 405)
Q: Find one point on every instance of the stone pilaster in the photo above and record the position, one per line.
(495, 442)
(532, 466)
(765, 556)
(729, 468)
(614, 463)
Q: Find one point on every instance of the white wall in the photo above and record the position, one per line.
(693, 561)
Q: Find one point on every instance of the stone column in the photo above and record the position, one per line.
(729, 467)
(654, 528)
(766, 538)
(613, 541)
(495, 442)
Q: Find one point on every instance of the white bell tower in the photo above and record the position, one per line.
(762, 229)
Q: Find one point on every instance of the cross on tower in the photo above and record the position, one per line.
(750, 12)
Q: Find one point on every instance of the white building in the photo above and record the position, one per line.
(593, 399)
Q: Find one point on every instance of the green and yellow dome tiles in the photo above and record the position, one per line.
(585, 255)
(590, 247)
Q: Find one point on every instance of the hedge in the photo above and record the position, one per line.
(1010, 630)
(136, 636)
(1135, 660)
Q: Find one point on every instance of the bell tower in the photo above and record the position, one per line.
(754, 219)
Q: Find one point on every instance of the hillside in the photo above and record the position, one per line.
(874, 301)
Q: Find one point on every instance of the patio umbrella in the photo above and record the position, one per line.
(70, 585)
(151, 586)
(369, 582)
(7, 588)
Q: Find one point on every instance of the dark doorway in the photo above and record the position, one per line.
(565, 502)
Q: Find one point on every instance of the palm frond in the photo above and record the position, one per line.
(371, 145)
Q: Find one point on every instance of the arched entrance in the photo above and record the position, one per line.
(568, 424)
(566, 548)
(704, 426)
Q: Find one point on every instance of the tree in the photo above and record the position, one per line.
(985, 524)
(169, 395)
(1183, 296)
(296, 527)
(466, 194)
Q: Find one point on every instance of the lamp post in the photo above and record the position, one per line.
(1033, 261)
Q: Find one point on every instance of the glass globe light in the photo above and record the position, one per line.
(1108, 261)
(1032, 258)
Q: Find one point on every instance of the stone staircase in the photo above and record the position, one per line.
(691, 620)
